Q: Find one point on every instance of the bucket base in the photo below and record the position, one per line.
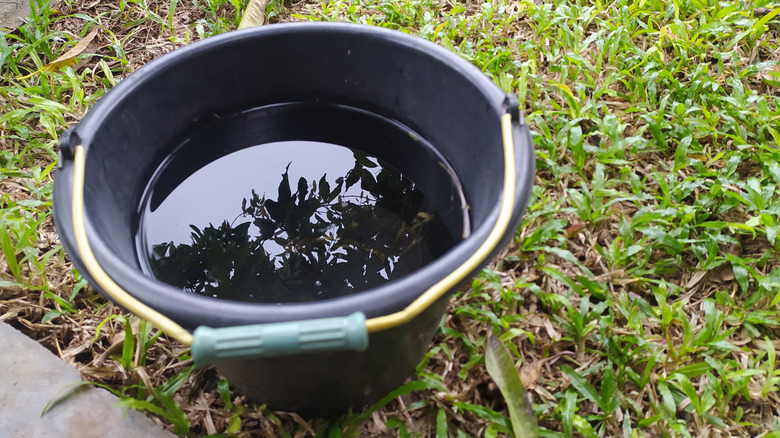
(331, 384)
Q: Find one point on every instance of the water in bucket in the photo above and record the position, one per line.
(286, 221)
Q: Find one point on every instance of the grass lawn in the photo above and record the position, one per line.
(639, 297)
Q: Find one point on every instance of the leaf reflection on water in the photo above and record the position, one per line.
(315, 243)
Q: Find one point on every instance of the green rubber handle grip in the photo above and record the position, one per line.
(210, 345)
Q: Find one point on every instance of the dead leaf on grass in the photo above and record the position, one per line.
(147, 381)
(67, 59)
(254, 15)
(301, 422)
(575, 229)
(114, 348)
(551, 332)
(530, 372)
(695, 279)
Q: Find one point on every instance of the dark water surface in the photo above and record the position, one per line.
(287, 221)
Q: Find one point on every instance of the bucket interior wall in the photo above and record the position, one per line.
(370, 72)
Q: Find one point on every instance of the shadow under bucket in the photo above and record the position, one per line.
(391, 98)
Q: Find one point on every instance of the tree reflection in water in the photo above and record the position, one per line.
(314, 243)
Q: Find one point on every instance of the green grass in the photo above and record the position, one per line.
(640, 295)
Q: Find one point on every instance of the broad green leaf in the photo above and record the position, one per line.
(568, 96)
(609, 401)
(334, 431)
(223, 389)
(567, 413)
(502, 369)
(689, 390)
(771, 227)
(441, 424)
(128, 347)
(583, 427)
(577, 146)
(234, 424)
(668, 398)
(171, 11)
(51, 314)
(181, 423)
(175, 413)
(491, 431)
(9, 252)
(175, 383)
(776, 299)
(6, 283)
(395, 423)
(740, 272)
(774, 170)
(750, 372)
(758, 27)
(582, 385)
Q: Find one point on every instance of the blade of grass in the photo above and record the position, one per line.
(502, 369)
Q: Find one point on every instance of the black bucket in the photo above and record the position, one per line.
(387, 87)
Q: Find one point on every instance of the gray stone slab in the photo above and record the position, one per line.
(13, 13)
(31, 377)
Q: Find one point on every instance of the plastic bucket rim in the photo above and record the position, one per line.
(162, 296)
